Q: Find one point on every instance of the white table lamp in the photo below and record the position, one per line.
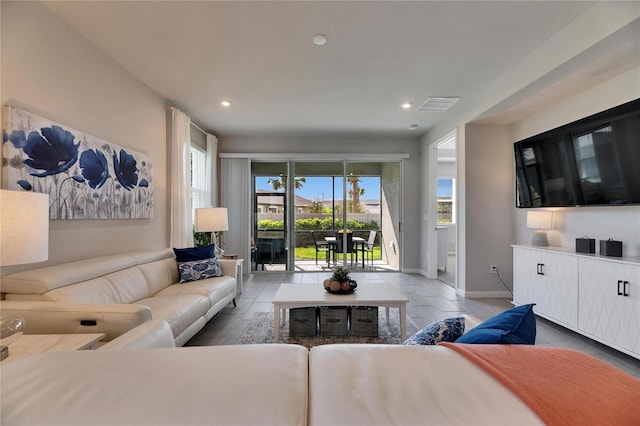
(212, 219)
(24, 238)
(24, 227)
(540, 221)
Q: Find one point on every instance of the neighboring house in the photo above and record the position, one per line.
(275, 204)
(370, 206)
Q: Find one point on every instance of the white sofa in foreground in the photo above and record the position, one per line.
(280, 384)
(114, 294)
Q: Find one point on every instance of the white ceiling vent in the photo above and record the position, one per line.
(438, 104)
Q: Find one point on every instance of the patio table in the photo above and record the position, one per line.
(358, 243)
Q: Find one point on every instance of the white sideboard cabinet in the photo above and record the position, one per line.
(550, 280)
(609, 303)
(594, 295)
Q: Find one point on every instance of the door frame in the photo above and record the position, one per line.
(432, 236)
(345, 160)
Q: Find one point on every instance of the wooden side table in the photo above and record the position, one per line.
(30, 344)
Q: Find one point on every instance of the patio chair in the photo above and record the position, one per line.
(321, 246)
(370, 243)
(350, 245)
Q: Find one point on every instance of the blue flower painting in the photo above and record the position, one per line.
(50, 152)
(95, 169)
(125, 168)
(85, 177)
(17, 138)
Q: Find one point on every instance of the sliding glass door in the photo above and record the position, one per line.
(328, 213)
(317, 216)
(269, 242)
(373, 213)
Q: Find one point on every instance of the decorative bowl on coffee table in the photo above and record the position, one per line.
(346, 287)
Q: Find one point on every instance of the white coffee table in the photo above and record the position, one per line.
(291, 296)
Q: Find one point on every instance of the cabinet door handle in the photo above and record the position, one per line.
(619, 290)
(542, 269)
(537, 269)
(624, 287)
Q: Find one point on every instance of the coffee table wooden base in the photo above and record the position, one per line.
(291, 296)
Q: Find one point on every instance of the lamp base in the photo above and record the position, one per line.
(539, 239)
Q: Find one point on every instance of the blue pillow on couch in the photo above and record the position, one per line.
(194, 253)
(517, 326)
(446, 330)
(199, 270)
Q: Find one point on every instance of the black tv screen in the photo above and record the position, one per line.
(592, 161)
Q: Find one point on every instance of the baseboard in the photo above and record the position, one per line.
(485, 294)
(415, 271)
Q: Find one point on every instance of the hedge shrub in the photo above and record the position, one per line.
(317, 224)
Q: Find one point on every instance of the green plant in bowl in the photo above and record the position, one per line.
(340, 281)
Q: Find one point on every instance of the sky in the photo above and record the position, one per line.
(445, 188)
(321, 187)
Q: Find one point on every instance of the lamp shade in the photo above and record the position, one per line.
(212, 219)
(539, 219)
(24, 227)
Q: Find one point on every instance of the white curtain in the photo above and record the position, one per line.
(212, 170)
(181, 215)
(235, 195)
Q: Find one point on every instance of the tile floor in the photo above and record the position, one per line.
(429, 300)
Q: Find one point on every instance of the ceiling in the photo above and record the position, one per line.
(260, 55)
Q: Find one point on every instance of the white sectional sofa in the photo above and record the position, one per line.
(214, 385)
(149, 335)
(114, 294)
(281, 384)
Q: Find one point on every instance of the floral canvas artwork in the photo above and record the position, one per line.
(86, 177)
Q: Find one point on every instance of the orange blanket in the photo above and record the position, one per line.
(562, 386)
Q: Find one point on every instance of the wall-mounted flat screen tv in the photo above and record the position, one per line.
(592, 161)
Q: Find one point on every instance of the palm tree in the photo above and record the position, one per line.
(355, 193)
(316, 206)
(281, 182)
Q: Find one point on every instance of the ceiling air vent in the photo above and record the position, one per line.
(438, 104)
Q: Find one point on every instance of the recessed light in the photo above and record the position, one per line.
(413, 126)
(320, 39)
(406, 105)
(225, 103)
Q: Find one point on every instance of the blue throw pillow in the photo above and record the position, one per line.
(517, 326)
(194, 253)
(447, 330)
(199, 270)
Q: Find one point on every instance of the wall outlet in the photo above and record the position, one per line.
(493, 269)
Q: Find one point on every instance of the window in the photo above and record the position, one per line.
(198, 179)
(446, 200)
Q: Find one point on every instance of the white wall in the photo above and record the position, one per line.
(617, 222)
(488, 208)
(447, 169)
(364, 146)
(49, 69)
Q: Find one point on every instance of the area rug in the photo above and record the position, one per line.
(260, 330)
